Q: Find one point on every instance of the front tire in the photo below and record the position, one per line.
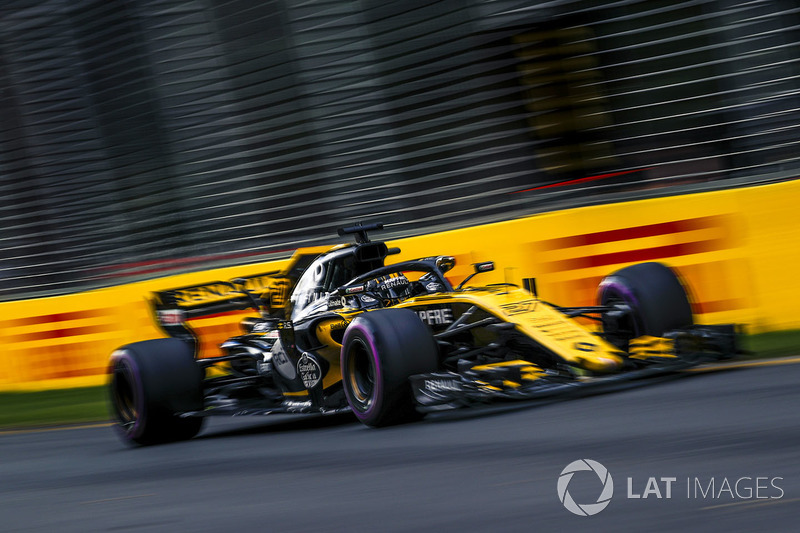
(152, 382)
(655, 296)
(381, 349)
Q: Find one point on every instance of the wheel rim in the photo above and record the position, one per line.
(124, 398)
(361, 375)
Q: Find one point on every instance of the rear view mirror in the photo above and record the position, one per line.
(486, 266)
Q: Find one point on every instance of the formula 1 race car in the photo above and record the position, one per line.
(341, 330)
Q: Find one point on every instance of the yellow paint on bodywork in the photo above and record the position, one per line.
(550, 328)
(527, 370)
(329, 333)
(525, 366)
(647, 346)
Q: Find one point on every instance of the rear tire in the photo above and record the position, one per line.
(381, 349)
(152, 382)
(656, 297)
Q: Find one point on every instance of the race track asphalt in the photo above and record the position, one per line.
(493, 470)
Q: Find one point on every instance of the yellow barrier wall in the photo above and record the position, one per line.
(736, 249)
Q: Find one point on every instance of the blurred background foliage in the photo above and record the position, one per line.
(145, 137)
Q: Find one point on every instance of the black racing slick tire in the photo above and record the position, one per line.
(655, 295)
(381, 349)
(152, 382)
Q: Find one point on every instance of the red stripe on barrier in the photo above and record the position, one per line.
(635, 256)
(56, 317)
(60, 333)
(635, 232)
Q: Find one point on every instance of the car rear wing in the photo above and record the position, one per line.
(175, 309)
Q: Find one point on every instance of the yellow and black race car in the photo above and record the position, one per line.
(342, 330)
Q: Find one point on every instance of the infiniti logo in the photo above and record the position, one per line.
(586, 509)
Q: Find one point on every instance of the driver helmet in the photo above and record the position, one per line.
(392, 289)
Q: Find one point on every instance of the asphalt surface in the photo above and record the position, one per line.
(494, 470)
